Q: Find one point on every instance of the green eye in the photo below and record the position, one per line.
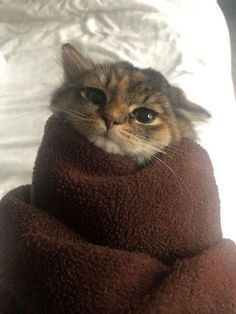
(144, 115)
(95, 95)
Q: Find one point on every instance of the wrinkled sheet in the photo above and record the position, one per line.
(186, 40)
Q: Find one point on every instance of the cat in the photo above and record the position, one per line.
(124, 109)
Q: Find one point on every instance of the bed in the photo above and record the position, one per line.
(187, 41)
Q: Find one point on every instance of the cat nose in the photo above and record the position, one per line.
(111, 120)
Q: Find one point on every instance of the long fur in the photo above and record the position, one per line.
(111, 123)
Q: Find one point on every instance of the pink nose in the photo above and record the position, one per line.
(111, 120)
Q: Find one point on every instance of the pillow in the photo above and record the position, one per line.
(187, 41)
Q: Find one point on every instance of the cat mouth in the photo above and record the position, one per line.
(109, 139)
(108, 136)
(108, 143)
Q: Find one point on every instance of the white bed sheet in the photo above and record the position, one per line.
(186, 40)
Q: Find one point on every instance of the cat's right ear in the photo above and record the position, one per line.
(74, 63)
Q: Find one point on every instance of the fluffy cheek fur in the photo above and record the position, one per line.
(109, 120)
(129, 139)
(143, 141)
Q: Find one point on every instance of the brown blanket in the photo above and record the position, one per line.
(96, 234)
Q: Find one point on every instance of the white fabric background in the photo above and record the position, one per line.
(186, 40)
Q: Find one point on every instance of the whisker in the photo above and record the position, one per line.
(170, 147)
(74, 114)
(143, 141)
(174, 152)
(176, 149)
(180, 180)
(77, 112)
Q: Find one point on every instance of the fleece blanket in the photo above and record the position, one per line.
(95, 233)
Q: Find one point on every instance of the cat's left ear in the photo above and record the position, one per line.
(74, 63)
(185, 108)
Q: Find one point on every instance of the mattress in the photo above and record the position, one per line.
(187, 41)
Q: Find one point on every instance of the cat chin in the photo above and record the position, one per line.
(107, 145)
(111, 147)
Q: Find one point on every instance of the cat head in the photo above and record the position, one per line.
(123, 109)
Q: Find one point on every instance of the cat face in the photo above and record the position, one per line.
(123, 109)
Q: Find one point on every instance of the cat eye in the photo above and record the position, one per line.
(144, 115)
(95, 95)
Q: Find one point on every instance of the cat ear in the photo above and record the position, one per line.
(185, 108)
(74, 63)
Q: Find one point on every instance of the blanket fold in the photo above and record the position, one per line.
(94, 233)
